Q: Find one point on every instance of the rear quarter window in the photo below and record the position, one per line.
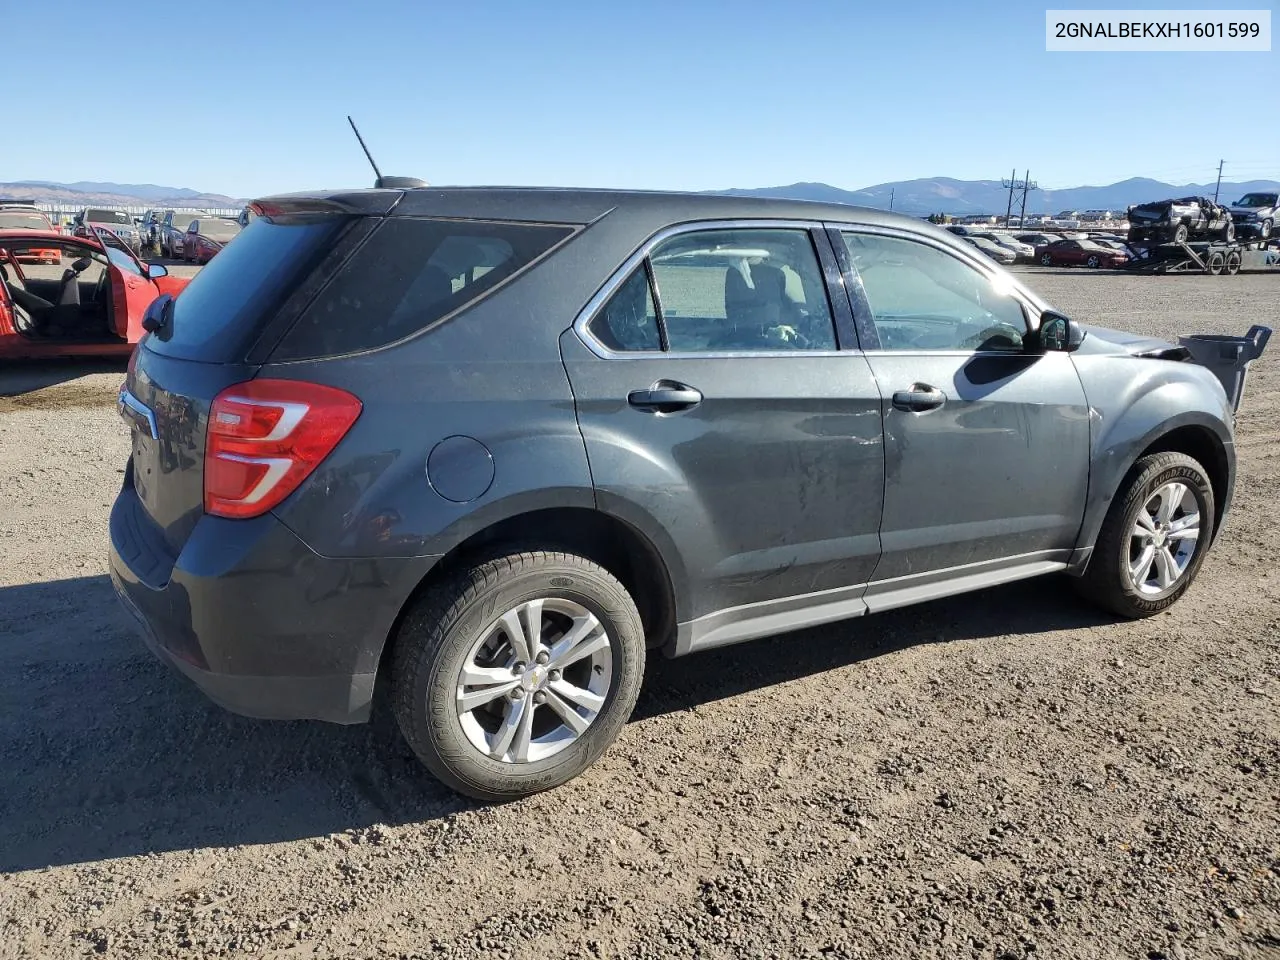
(228, 303)
(410, 273)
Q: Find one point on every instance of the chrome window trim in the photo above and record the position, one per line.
(1033, 305)
(581, 323)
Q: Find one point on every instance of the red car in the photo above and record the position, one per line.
(29, 218)
(206, 236)
(1079, 253)
(92, 308)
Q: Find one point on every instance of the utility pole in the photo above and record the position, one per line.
(892, 191)
(1027, 185)
(1014, 184)
(1219, 186)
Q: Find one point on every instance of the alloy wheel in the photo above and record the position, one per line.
(535, 680)
(1164, 539)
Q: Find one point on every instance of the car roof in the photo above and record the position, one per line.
(584, 205)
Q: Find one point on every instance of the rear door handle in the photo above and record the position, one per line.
(919, 399)
(665, 396)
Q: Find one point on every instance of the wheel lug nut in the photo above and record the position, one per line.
(553, 675)
(543, 656)
(516, 694)
(539, 697)
(518, 668)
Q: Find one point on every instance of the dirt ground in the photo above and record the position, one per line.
(1002, 775)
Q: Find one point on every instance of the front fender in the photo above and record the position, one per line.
(1135, 401)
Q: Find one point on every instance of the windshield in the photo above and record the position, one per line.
(221, 230)
(22, 221)
(106, 216)
(183, 220)
(1258, 200)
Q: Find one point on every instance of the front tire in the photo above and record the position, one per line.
(515, 675)
(1095, 261)
(1153, 539)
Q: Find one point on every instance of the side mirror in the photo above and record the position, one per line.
(157, 316)
(155, 271)
(81, 265)
(1058, 333)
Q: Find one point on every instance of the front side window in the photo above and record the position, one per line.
(752, 289)
(923, 298)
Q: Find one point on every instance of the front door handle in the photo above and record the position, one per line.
(920, 398)
(665, 396)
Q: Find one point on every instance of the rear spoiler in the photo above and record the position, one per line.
(1228, 357)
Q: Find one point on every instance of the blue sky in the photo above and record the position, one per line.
(249, 98)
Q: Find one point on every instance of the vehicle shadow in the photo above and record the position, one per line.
(1041, 605)
(29, 376)
(108, 753)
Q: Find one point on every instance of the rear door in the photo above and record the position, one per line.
(722, 419)
(986, 446)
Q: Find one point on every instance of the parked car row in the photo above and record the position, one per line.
(194, 237)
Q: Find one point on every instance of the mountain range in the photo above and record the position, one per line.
(114, 194)
(918, 197)
(944, 195)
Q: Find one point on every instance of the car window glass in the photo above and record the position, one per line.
(923, 298)
(410, 273)
(628, 321)
(123, 261)
(750, 289)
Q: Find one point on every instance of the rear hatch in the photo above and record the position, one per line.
(214, 335)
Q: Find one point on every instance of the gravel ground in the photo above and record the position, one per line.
(1003, 775)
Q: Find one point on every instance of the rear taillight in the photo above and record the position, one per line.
(265, 437)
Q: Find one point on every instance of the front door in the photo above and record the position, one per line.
(722, 421)
(986, 446)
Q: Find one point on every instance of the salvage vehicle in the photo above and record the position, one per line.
(173, 232)
(1021, 250)
(1177, 221)
(996, 251)
(1255, 214)
(26, 217)
(482, 451)
(1080, 253)
(94, 307)
(91, 221)
(206, 236)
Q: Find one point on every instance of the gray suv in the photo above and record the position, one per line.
(485, 449)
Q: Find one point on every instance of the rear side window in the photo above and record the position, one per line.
(228, 302)
(409, 274)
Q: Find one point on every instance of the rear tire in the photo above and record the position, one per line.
(1046, 260)
(1180, 233)
(459, 630)
(1119, 577)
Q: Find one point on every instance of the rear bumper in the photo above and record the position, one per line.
(260, 623)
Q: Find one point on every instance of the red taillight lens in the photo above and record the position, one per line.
(265, 437)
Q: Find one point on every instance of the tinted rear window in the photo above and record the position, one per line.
(219, 313)
(406, 276)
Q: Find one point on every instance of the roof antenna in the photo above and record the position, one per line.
(383, 182)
